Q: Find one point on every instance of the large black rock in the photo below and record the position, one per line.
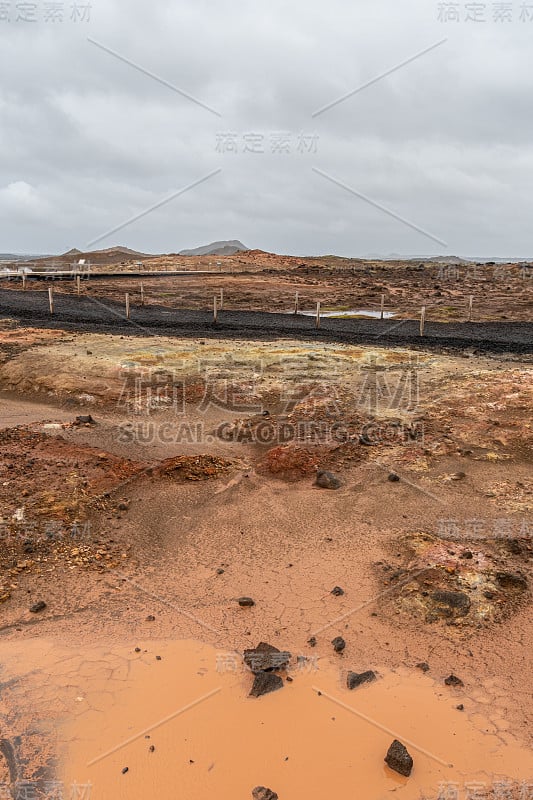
(264, 683)
(338, 644)
(327, 480)
(262, 793)
(398, 759)
(355, 679)
(265, 658)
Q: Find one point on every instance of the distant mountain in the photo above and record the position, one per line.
(106, 253)
(444, 259)
(107, 257)
(228, 248)
(18, 257)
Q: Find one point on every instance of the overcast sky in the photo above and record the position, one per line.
(434, 157)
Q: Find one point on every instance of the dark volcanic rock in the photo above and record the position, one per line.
(393, 477)
(84, 420)
(451, 604)
(337, 591)
(423, 665)
(453, 680)
(338, 644)
(262, 793)
(327, 480)
(312, 641)
(355, 679)
(398, 759)
(265, 658)
(36, 607)
(245, 602)
(264, 683)
(512, 581)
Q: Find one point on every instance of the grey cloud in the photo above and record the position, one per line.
(87, 141)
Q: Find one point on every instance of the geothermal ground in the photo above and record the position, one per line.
(172, 498)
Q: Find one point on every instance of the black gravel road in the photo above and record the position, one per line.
(85, 314)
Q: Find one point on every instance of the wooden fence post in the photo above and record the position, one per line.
(127, 306)
(382, 306)
(23, 281)
(78, 285)
(296, 304)
(470, 307)
(318, 315)
(142, 294)
(215, 309)
(422, 320)
(51, 300)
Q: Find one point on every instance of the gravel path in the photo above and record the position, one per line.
(87, 314)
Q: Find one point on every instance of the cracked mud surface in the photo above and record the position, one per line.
(156, 537)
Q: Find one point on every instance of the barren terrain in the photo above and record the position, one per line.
(148, 483)
(259, 281)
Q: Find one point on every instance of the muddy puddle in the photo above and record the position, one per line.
(362, 312)
(174, 720)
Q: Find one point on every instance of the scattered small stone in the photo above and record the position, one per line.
(262, 793)
(220, 571)
(137, 649)
(150, 618)
(460, 707)
(264, 683)
(125, 769)
(355, 679)
(393, 477)
(423, 665)
(453, 680)
(489, 595)
(84, 419)
(338, 644)
(312, 641)
(458, 476)
(398, 759)
(36, 607)
(337, 591)
(245, 602)
(123, 506)
(158, 658)
(265, 658)
(289, 679)
(327, 480)
(468, 554)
